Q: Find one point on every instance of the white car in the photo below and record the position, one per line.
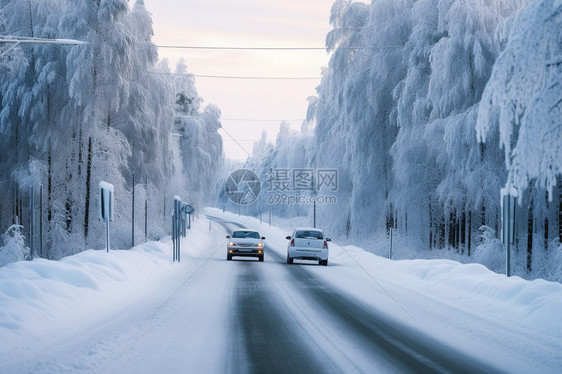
(246, 243)
(308, 244)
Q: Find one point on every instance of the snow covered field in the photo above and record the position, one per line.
(136, 311)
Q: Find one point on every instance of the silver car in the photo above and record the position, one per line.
(308, 244)
(246, 243)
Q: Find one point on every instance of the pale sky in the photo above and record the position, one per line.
(247, 23)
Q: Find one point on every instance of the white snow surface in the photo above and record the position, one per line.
(49, 310)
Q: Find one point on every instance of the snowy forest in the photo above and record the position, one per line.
(73, 115)
(426, 110)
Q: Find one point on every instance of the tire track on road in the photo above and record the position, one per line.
(270, 342)
(408, 349)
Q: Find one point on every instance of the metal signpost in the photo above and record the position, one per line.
(133, 215)
(390, 246)
(106, 208)
(183, 220)
(188, 210)
(176, 228)
(31, 221)
(508, 207)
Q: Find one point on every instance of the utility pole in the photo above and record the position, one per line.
(314, 213)
(31, 221)
(314, 202)
(133, 215)
(390, 246)
(145, 207)
(41, 221)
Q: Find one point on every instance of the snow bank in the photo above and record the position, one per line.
(535, 304)
(39, 296)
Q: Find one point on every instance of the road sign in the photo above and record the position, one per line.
(508, 202)
(106, 208)
(188, 209)
(106, 202)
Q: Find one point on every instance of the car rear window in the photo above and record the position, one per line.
(306, 234)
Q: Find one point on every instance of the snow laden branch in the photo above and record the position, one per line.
(523, 99)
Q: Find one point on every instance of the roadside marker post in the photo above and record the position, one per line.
(176, 228)
(508, 204)
(181, 221)
(106, 208)
(390, 246)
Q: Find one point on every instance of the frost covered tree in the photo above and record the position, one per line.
(32, 96)
(199, 141)
(440, 167)
(275, 165)
(398, 102)
(353, 112)
(523, 103)
(524, 96)
(99, 77)
(12, 246)
(72, 116)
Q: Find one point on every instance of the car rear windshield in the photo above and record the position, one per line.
(305, 234)
(246, 234)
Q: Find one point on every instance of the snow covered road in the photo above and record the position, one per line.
(362, 339)
(208, 315)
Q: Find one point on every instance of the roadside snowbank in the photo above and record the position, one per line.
(40, 298)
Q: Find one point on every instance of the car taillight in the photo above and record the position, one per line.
(292, 242)
(325, 244)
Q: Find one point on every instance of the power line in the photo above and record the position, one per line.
(253, 77)
(241, 140)
(277, 48)
(257, 140)
(16, 41)
(238, 76)
(28, 40)
(262, 120)
(245, 48)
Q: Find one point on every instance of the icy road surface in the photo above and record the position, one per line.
(209, 315)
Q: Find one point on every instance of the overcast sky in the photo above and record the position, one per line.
(247, 23)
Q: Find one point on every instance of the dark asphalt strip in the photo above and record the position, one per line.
(265, 334)
(264, 341)
(408, 349)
